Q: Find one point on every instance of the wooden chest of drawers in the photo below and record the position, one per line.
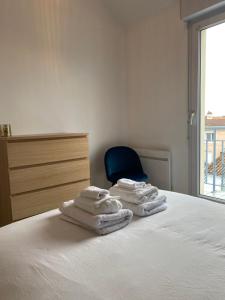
(38, 172)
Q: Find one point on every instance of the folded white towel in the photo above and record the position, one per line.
(147, 209)
(130, 184)
(107, 205)
(138, 196)
(101, 224)
(94, 192)
(156, 210)
(100, 231)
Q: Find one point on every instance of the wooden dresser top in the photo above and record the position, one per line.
(49, 136)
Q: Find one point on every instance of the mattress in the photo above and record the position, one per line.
(177, 254)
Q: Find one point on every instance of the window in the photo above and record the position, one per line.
(207, 108)
(210, 136)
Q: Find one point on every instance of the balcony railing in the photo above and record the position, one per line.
(215, 165)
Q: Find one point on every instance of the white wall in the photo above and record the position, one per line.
(158, 88)
(61, 69)
(190, 8)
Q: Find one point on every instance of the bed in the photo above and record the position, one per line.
(177, 254)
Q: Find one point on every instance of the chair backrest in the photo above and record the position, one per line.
(121, 159)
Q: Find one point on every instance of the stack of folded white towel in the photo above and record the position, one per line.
(143, 199)
(97, 210)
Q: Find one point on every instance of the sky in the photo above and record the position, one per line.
(215, 70)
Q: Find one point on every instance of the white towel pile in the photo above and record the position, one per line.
(97, 210)
(143, 199)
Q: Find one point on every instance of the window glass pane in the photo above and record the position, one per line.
(212, 154)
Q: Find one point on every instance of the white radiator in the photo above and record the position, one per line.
(157, 165)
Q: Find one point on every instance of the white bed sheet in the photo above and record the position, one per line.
(177, 254)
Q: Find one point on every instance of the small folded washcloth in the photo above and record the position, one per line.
(94, 192)
(101, 224)
(149, 208)
(138, 196)
(130, 184)
(107, 205)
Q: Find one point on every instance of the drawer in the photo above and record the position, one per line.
(44, 151)
(30, 204)
(39, 177)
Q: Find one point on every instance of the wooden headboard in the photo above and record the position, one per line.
(38, 172)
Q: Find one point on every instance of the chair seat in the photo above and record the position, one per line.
(123, 162)
(137, 176)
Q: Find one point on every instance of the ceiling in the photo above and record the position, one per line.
(129, 11)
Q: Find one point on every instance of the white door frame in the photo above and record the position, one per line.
(194, 121)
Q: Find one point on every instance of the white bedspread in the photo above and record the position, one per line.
(177, 254)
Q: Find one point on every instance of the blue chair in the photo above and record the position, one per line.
(123, 162)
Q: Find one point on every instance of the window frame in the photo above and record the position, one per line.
(194, 102)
